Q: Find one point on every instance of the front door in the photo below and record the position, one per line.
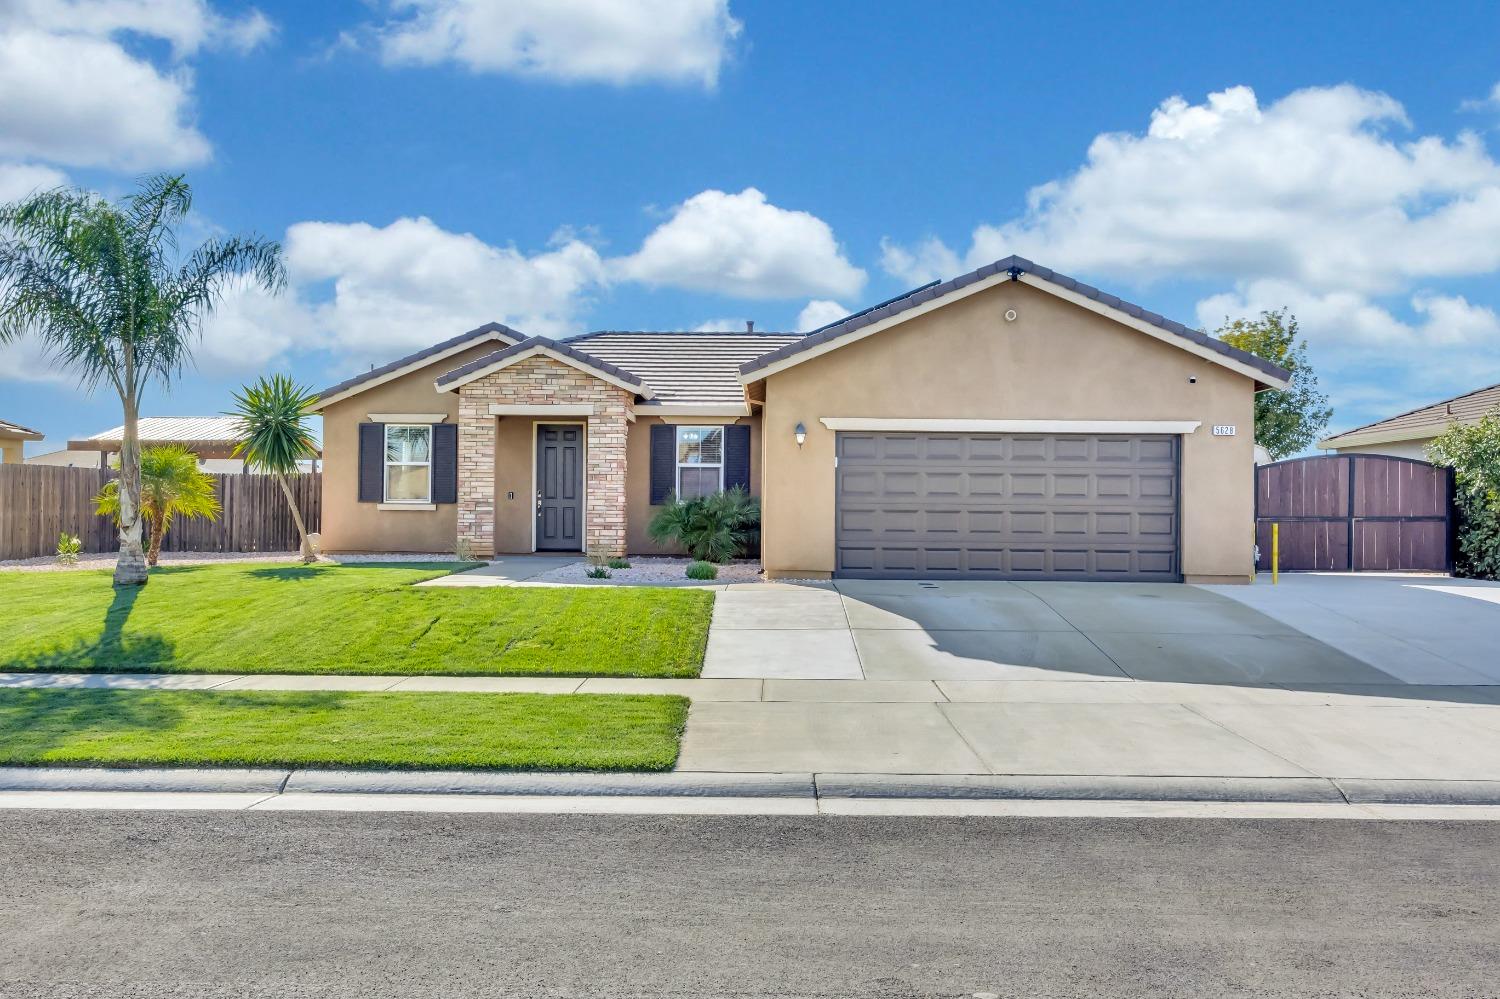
(559, 487)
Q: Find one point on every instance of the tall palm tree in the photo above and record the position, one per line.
(274, 435)
(104, 289)
(171, 486)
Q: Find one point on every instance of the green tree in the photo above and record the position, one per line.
(171, 486)
(274, 435)
(1473, 452)
(101, 285)
(1288, 420)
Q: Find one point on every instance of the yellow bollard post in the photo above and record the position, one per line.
(1275, 553)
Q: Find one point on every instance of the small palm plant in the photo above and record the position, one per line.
(171, 486)
(713, 528)
(274, 436)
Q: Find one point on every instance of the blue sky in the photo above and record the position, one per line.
(564, 165)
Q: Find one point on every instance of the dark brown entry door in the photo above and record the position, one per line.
(1007, 506)
(559, 487)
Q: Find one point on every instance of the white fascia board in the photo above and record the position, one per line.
(964, 426)
(542, 409)
(724, 409)
(1354, 438)
(641, 390)
(407, 369)
(408, 417)
(1152, 330)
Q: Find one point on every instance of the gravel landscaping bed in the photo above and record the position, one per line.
(655, 572)
(106, 560)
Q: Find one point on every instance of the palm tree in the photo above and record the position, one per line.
(102, 286)
(274, 435)
(171, 486)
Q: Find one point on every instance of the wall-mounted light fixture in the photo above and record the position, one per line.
(801, 435)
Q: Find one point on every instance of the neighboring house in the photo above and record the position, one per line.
(1009, 423)
(13, 438)
(211, 438)
(1408, 434)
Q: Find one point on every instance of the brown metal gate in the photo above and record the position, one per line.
(1356, 512)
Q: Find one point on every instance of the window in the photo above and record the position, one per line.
(408, 463)
(700, 461)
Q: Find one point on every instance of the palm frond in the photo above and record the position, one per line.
(274, 433)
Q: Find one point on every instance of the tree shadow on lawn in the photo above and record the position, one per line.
(113, 651)
(36, 722)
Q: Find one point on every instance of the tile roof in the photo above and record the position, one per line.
(478, 333)
(685, 367)
(1015, 266)
(1425, 421)
(9, 429)
(177, 430)
(587, 360)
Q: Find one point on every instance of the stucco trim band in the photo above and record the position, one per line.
(942, 426)
(542, 409)
(408, 417)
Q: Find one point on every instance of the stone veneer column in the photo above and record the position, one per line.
(542, 381)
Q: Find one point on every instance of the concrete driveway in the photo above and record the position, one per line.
(908, 630)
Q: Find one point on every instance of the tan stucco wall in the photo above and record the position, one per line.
(638, 508)
(11, 450)
(352, 526)
(1397, 449)
(1055, 361)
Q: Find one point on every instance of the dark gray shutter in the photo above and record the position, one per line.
(445, 463)
(663, 462)
(737, 457)
(371, 462)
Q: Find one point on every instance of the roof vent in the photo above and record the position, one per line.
(749, 325)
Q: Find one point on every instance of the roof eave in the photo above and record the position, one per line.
(453, 380)
(413, 362)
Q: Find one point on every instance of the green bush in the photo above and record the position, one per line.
(702, 570)
(596, 572)
(619, 563)
(1473, 452)
(713, 528)
(69, 547)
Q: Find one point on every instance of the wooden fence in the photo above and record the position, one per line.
(39, 502)
(1355, 512)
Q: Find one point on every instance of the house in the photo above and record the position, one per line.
(13, 438)
(1008, 423)
(1407, 435)
(211, 438)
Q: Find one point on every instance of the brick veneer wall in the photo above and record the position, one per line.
(540, 381)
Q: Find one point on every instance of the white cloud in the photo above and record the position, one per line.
(742, 245)
(929, 260)
(608, 41)
(1488, 102)
(17, 180)
(27, 361)
(1313, 188)
(720, 325)
(411, 283)
(71, 93)
(819, 312)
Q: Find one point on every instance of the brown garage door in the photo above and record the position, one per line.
(1007, 506)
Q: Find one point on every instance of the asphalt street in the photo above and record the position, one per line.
(221, 904)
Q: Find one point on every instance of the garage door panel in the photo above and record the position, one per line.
(1032, 506)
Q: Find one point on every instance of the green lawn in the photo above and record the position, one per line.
(269, 618)
(297, 729)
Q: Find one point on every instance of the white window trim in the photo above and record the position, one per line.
(386, 463)
(677, 455)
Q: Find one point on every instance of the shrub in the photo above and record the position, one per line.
(1473, 452)
(69, 547)
(713, 528)
(596, 572)
(463, 550)
(702, 570)
(619, 563)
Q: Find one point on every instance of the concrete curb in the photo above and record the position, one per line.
(676, 784)
(155, 779)
(1079, 788)
(806, 786)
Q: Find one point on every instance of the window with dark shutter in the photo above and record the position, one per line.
(371, 462)
(445, 463)
(737, 456)
(663, 462)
